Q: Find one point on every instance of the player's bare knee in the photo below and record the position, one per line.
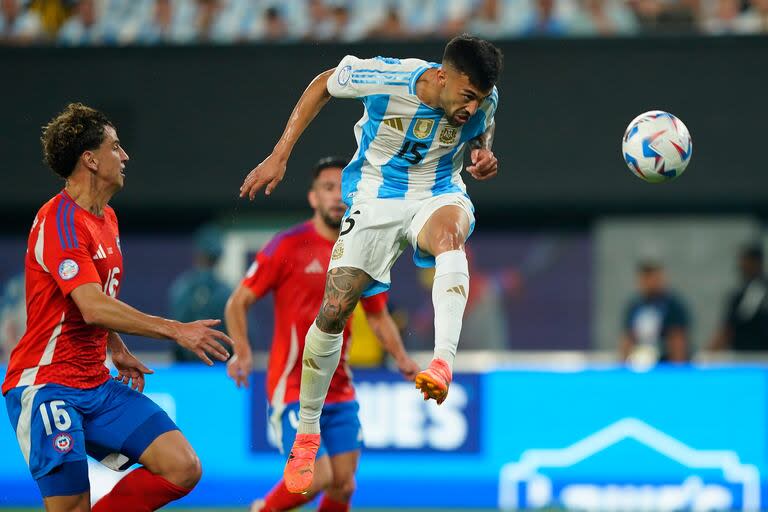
(184, 469)
(333, 316)
(448, 240)
(344, 488)
(330, 319)
(79, 503)
(322, 481)
(192, 470)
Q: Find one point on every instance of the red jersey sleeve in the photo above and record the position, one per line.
(64, 251)
(375, 303)
(264, 272)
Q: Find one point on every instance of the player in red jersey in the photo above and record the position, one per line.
(60, 398)
(292, 266)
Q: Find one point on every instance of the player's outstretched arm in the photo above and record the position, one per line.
(386, 331)
(270, 172)
(240, 364)
(130, 371)
(484, 163)
(101, 310)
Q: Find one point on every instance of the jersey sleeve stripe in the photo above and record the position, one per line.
(40, 246)
(381, 78)
(385, 71)
(72, 231)
(60, 225)
(379, 82)
(65, 223)
(415, 76)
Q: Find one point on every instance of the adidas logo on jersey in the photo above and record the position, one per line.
(314, 268)
(395, 122)
(100, 254)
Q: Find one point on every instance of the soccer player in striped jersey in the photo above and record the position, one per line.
(60, 398)
(292, 267)
(402, 186)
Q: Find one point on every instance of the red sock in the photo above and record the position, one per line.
(280, 499)
(140, 491)
(329, 505)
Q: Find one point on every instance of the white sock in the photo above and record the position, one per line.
(322, 352)
(450, 290)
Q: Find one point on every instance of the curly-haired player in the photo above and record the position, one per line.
(60, 398)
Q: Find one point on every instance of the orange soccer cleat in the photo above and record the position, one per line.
(300, 467)
(434, 381)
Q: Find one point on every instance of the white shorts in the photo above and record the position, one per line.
(375, 232)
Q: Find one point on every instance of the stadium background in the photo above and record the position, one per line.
(545, 413)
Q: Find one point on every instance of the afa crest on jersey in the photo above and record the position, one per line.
(338, 250)
(423, 128)
(448, 135)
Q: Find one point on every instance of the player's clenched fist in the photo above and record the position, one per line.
(200, 338)
(484, 164)
(268, 173)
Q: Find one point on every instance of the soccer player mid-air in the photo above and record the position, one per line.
(60, 398)
(402, 186)
(292, 266)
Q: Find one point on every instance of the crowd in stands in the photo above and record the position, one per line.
(150, 22)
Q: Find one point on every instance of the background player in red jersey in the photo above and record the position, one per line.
(293, 267)
(60, 398)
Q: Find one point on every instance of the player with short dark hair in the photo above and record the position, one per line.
(292, 266)
(60, 398)
(403, 186)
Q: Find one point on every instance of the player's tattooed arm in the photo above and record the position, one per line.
(343, 288)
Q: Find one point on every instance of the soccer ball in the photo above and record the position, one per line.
(657, 146)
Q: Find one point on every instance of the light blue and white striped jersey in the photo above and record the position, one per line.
(406, 149)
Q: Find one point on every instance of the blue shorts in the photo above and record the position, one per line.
(339, 426)
(57, 426)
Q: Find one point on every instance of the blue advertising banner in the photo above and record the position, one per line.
(670, 439)
(608, 439)
(394, 416)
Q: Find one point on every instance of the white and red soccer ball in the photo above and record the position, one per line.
(657, 146)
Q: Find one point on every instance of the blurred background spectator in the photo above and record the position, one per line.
(755, 19)
(656, 321)
(198, 293)
(497, 19)
(603, 18)
(107, 22)
(745, 325)
(722, 17)
(87, 26)
(666, 16)
(548, 18)
(13, 314)
(19, 25)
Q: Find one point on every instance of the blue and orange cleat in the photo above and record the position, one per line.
(434, 381)
(300, 467)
